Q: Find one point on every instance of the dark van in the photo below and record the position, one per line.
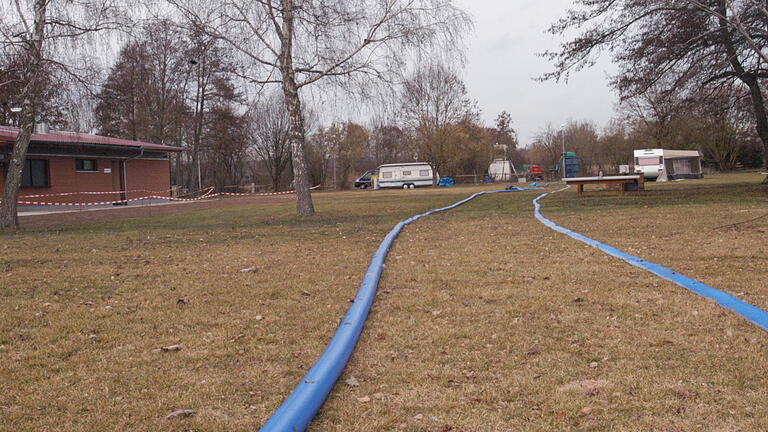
(364, 181)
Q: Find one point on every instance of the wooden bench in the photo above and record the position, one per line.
(618, 182)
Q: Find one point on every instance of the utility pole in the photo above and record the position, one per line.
(563, 156)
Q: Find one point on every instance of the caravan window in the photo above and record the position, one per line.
(423, 173)
(406, 173)
(646, 161)
(386, 175)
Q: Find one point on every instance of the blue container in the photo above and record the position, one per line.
(446, 182)
(572, 165)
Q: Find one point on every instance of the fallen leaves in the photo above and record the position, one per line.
(685, 393)
(181, 413)
(536, 349)
(249, 270)
(584, 386)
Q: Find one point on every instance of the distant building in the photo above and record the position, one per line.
(68, 162)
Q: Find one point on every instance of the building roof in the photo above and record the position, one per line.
(8, 133)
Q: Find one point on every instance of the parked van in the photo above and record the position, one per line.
(405, 175)
(364, 181)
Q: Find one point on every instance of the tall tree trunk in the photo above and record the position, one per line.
(749, 79)
(29, 95)
(304, 206)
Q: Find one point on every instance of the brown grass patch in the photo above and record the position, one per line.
(482, 315)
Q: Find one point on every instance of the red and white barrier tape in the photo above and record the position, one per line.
(61, 204)
(94, 193)
(265, 193)
(208, 194)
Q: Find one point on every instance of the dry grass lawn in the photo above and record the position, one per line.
(485, 320)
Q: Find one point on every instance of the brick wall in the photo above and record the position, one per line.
(151, 175)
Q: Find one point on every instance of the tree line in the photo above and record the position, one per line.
(193, 75)
(689, 70)
(721, 129)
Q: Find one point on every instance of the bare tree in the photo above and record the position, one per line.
(346, 143)
(388, 143)
(269, 136)
(615, 145)
(434, 102)
(504, 133)
(42, 34)
(226, 140)
(546, 147)
(297, 43)
(210, 71)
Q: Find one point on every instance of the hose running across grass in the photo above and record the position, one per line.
(298, 410)
(757, 316)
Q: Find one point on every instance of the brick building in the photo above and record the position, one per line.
(68, 162)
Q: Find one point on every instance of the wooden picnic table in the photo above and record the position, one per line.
(619, 181)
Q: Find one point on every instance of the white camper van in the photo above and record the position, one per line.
(405, 175)
(664, 165)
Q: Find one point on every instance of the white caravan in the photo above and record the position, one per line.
(405, 175)
(665, 165)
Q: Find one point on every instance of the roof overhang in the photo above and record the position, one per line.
(8, 135)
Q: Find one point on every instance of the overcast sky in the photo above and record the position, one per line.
(502, 62)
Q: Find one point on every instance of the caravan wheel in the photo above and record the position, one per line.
(405, 186)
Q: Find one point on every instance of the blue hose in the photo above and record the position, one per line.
(298, 410)
(757, 316)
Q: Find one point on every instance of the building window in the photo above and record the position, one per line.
(423, 173)
(85, 165)
(35, 173)
(386, 175)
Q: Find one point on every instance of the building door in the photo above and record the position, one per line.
(118, 182)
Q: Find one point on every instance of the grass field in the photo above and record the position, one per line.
(485, 320)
